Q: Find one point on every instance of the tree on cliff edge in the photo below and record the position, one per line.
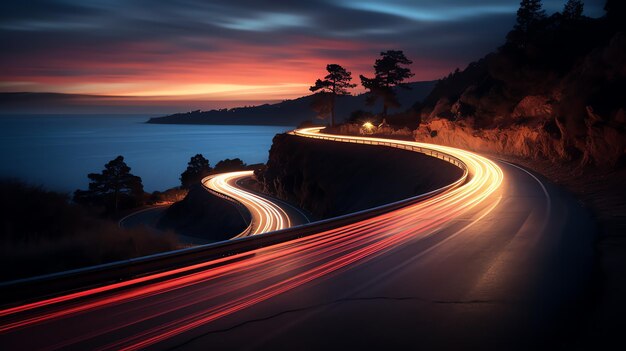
(616, 13)
(336, 82)
(573, 9)
(114, 185)
(389, 73)
(197, 168)
(529, 13)
(229, 165)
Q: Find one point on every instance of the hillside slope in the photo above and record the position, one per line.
(292, 112)
(556, 93)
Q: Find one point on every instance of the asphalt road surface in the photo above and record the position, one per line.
(498, 263)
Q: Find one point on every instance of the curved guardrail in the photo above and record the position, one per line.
(47, 285)
(429, 152)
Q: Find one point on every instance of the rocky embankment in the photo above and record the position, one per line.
(330, 179)
(602, 143)
(203, 215)
(579, 116)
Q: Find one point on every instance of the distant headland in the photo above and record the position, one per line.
(293, 112)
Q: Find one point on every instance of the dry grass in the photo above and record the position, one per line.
(41, 232)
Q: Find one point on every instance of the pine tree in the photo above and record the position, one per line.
(389, 74)
(111, 185)
(573, 9)
(335, 83)
(616, 13)
(197, 168)
(229, 165)
(529, 13)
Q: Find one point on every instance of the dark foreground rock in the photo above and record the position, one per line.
(203, 215)
(331, 179)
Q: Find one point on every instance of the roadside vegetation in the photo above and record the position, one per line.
(114, 188)
(197, 168)
(43, 232)
(115, 191)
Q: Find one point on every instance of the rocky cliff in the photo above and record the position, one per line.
(331, 179)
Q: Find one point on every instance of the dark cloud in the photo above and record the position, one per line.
(37, 37)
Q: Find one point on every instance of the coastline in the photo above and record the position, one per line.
(59, 151)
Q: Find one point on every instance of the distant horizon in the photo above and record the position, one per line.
(226, 51)
(52, 103)
(35, 103)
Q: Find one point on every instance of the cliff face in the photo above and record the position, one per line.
(330, 179)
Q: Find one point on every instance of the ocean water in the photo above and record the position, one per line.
(58, 152)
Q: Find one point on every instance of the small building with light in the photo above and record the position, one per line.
(367, 128)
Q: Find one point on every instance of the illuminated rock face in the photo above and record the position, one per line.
(520, 140)
(533, 106)
(606, 138)
(601, 143)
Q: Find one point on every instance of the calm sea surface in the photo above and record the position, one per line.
(59, 151)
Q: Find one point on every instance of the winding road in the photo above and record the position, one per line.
(498, 261)
(267, 214)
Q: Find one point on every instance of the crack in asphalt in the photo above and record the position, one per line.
(330, 303)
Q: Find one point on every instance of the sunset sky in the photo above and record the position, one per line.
(236, 50)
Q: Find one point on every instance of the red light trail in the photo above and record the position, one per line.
(148, 310)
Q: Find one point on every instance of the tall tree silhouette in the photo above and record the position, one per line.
(573, 9)
(529, 13)
(197, 168)
(616, 13)
(389, 74)
(336, 82)
(111, 185)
